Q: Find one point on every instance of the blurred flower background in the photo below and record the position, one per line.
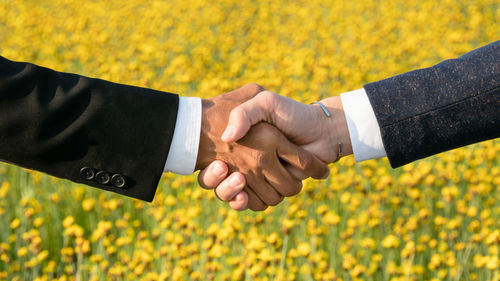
(435, 219)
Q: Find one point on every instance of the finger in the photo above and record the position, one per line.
(231, 186)
(246, 92)
(247, 114)
(302, 159)
(264, 190)
(254, 202)
(213, 175)
(282, 181)
(239, 202)
(298, 174)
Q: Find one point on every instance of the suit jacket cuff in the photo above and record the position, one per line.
(363, 127)
(184, 148)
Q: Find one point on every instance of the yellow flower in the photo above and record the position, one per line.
(22, 252)
(68, 221)
(273, 239)
(216, 251)
(303, 249)
(449, 193)
(348, 262)
(472, 211)
(408, 249)
(121, 241)
(439, 220)
(368, 243)
(460, 246)
(390, 241)
(54, 197)
(88, 204)
(331, 218)
(265, 255)
(479, 260)
(322, 209)
(287, 225)
(493, 237)
(4, 189)
(42, 256)
(15, 223)
(492, 262)
(435, 261)
(38, 222)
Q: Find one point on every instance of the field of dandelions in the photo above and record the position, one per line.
(435, 219)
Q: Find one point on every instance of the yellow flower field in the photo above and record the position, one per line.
(435, 219)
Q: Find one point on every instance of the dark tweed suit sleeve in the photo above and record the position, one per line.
(111, 136)
(449, 105)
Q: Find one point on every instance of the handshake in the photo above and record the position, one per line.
(256, 146)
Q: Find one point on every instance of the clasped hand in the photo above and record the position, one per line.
(265, 161)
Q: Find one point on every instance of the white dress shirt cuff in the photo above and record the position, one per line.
(184, 147)
(363, 127)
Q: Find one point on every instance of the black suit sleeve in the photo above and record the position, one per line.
(111, 136)
(452, 104)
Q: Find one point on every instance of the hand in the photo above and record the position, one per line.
(306, 125)
(258, 156)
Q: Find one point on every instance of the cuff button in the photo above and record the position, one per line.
(87, 173)
(102, 177)
(118, 181)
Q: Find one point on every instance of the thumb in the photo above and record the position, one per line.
(244, 116)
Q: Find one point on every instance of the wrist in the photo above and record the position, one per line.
(205, 154)
(335, 126)
(214, 116)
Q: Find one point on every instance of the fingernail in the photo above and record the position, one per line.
(218, 169)
(234, 181)
(228, 133)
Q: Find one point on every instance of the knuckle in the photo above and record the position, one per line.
(296, 188)
(259, 208)
(267, 96)
(271, 99)
(305, 161)
(254, 202)
(261, 160)
(267, 133)
(255, 205)
(241, 180)
(322, 172)
(263, 208)
(223, 196)
(255, 87)
(219, 191)
(275, 201)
